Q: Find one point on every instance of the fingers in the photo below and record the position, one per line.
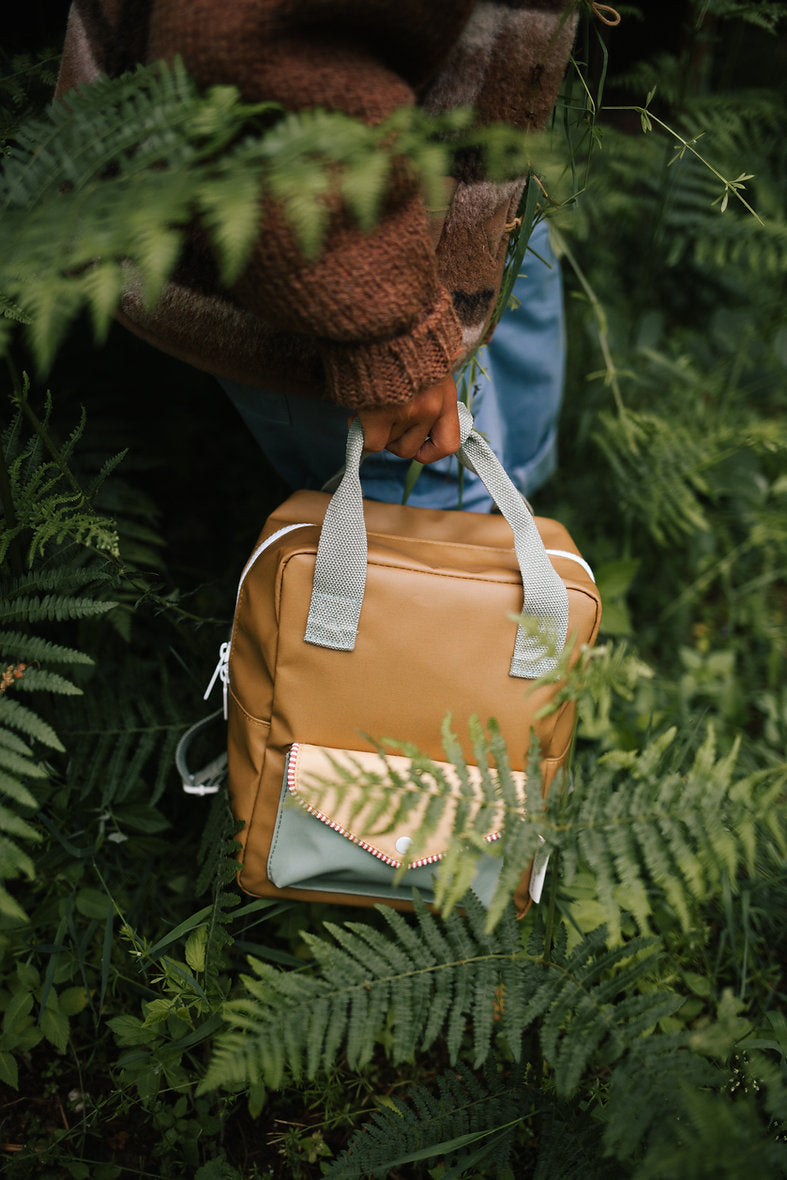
(443, 438)
(426, 428)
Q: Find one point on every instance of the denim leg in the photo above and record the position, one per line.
(516, 401)
(302, 438)
(519, 396)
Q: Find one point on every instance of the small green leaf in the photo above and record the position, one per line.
(140, 817)
(93, 903)
(195, 948)
(129, 1030)
(73, 1000)
(9, 1072)
(54, 1024)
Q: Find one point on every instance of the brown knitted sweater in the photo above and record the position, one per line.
(378, 316)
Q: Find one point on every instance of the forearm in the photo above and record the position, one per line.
(369, 296)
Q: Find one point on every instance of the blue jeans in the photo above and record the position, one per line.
(515, 399)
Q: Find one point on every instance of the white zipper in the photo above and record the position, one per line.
(221, 672)
(222, 669)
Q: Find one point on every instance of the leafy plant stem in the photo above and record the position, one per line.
(21, 399)
(602, 327)
(731, 187)
(549, 921)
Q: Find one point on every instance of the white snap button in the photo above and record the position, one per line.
(403, 843)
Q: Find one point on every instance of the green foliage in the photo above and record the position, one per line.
(447, 979)
(767, 15)
(96, 193)
(26, 81)
(42, 502)
(408, 984)
(48, 504)
(465, 1122)
(632, 1024)
(21, 764)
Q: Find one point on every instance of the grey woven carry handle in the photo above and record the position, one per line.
(340, 570)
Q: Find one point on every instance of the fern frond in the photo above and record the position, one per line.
(17, 766)
(20, 717)
(26, 85)
(19, 646)
(11, 311)
(122, 745)
(149, 129)
(73, 240)
(661, 465)
(16, 758)
(13, 863)
(645, 827)
(732, 1102)
(217, 854)
(11, 786)
(464, 1113)
(13, 825)
(54, 608)
(54, 595)
(41, 680)
(48, 502)
(634, 1107)
(354, 999)
(570, 1144)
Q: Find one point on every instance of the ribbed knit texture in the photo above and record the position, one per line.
(380, 315)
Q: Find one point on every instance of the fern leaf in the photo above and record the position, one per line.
(333, 1007)
(217, 854)
(123, 748)
(230, 209)
(40, 680)
(28, 722)
(101, 286)
(13, 861)
(9, 906)
(69, 228)
(54, 608)
(29, 648)
(488, 800)
(10, 311)
(635, 1108)
(661, 465)
(720, 1138)
(570, 1143)
(435, 1128)
(649, 824)
(363, 187)
(18, 764)
(12, 741)
(13, 788)
(14, 825)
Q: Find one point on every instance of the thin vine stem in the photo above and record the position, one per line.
(731, 187)
(611, 371)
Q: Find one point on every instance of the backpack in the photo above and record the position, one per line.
(360, 627)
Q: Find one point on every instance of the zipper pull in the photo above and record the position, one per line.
(222, 672)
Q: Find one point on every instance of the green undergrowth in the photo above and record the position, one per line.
(157, 1023)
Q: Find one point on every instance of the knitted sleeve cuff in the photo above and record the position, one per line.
(389, 372)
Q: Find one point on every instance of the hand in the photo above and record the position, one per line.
(426, 428)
